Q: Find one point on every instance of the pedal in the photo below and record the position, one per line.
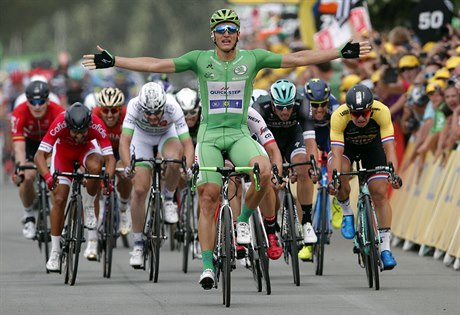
(137, 266)
(356, 250)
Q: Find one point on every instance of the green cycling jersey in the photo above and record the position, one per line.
(226, 86)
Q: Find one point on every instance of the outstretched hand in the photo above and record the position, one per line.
(98, 61)
(355, 50)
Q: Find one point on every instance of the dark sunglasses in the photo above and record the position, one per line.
(221, 29)
(282, 107)
(358, 113)
(38, 102)
(154, 113)
(319, 104)
(191, 112)
(113, 110)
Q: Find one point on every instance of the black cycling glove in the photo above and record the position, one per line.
(104, 60)
(349, 50)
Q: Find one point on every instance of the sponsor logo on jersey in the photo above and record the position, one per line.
(210, 66)
(263, 130)
(253, 119)
(225, 91)
(209, 75)
(61, 125)
(344, 112)
(100, 129)
(241, 69)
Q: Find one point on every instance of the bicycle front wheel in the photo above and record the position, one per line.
(43, 234)
(373, 256)
(186, 228)
(226, 254)
(261, 247)
(158, 233)
(322, 233)
(109, 235)
(292, 239)
(74, 237)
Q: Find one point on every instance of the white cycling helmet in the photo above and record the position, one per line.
(188, 99)
(256, 93)
(152, 97)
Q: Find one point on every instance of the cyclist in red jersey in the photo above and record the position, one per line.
(112, 111)
(29, 123)
(77, 136)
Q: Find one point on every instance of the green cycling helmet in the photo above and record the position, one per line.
(224, 15)
(283, 93)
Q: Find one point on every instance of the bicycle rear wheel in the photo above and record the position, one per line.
(75, 232)
(322, 233)
(261, 247)
(371, 243)
(226, 254)
(361, 240)
(292, 239)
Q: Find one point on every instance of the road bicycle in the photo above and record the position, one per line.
(225, 250)
(291, 230)
(367, 237)
(321, 216)
(72, 235)
(154, 226)
(42, 234)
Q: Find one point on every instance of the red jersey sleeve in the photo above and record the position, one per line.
(17, 123)
(56, 128)
(99, 132)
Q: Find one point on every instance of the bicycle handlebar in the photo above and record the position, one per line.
(226, 171)
(363, 172)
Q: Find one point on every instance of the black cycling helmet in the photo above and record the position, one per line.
(37, 90)
(78, 117)
(359, 97)
(317, 90)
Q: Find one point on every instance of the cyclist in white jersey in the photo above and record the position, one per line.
(153, 118)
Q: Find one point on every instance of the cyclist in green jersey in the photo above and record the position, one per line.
(225, 76)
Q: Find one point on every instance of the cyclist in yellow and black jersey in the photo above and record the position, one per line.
(362, 130)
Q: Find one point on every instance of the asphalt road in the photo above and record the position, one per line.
(418, 285)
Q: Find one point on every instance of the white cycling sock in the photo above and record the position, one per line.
(168, 194)
(92, 235)
(346, 207)
(385, 235)
(29, 212)
(88, 200)
(137, 239)
(55, 243)
(123, 204)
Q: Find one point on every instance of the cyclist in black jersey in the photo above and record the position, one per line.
(286, 113)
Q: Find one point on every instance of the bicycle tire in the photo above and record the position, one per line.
(76, 231)
(172, 240)
(292, 239)
(43, 233)
(226, 255)
(109, 237)
(261, 247)
(361, 240)
(158, 233)
(323, 233)
(186, 228)
(149, 257)
(373, 255)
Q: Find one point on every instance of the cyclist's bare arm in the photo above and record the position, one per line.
(40, 162)
(19, 148)
(125, 142)
(144, 64)
(390, 153)
(274, 154)
(336, 161)
(189, 151)
(110, 163)
(309, 57)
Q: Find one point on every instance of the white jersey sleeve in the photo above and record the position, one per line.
(258, 128)
(132, 113)
(173, 109)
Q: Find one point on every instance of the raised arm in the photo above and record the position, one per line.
(145, 64)
(309, 57)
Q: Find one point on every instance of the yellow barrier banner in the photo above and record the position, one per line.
(454, 247)
(446, 214)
